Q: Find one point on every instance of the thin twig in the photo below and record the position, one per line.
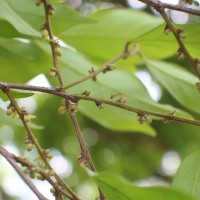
(36, 143)
(11, 159)
(156, 3)
(84, 151)
(106, 66)
(160, 7)
(76, 97)
(137, 110)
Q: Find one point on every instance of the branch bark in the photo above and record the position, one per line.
(11, 158)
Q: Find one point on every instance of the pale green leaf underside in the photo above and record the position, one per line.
(76, 67)
(188, 176)
(179, 83)
(16, 94)
(116, 189)
(9, 14)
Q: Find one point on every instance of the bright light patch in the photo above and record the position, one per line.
(174, 2)
(151, 181)
(39, 80)
(170, 163)
(136, 4)
(62, 166)
(179, 17)
(152, 88)
(91, 136)
(87, 192)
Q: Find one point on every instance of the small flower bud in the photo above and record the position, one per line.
(122, 100)
(181, 55)
(32, 174)
(198, 86)
(49, 156)
(52, 74)
(52, 190)
(167, 30)
(9, 111)
(38, 2)
(29, 147)
(58, 51)
(27, 118)
(44, 33)
(62, 110)
(50, 9)
(181, 33)
(40, 177)
(51, 173)
(86, 93)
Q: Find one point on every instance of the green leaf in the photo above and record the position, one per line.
(76, 67)
(27, 18)
(107, 37)
(179, 83)
(115, 188)
(21, 61)
(188, 175)
(16, 94)
(15, 21)
(156, 41)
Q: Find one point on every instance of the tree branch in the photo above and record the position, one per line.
(11, 158)
(108, 65)
(155, 4)
(159, 6)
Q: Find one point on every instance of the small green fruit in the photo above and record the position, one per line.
(9, 111)
(52, 74)
(29, 147)
(50, 156)
(38, 2)
(32, 174)
(44, 33)
(58, 51)
(62, 110)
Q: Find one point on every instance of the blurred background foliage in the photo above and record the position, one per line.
(141, 158)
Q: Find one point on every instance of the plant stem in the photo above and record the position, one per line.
(106, 66)
(137, 110)
(76, 97)
(11, 159)
(84, 151)
(156, 3)
(159, 6)
(36, 143)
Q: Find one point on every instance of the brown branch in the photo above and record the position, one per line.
(68, 104)
(35, 141)
(137, 110)
(11, 158)
(77, 97)
(159, 6)
(155, 4)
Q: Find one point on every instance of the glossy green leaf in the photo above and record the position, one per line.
(76, 67)
(18, 23)
(21, 61)
(188, 176)
(155, 41)
(115, 188)
(23, 15)
(105, 38)
(179, 83)
(16, 94)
